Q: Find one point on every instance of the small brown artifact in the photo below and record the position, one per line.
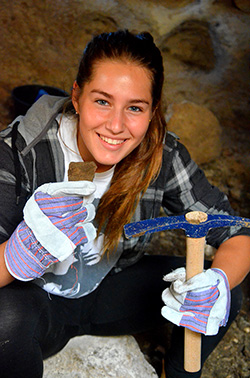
(79, 171)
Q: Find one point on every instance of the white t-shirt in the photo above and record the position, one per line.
(67, 136)
(82, 271)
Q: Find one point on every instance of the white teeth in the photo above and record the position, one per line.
(111, 141)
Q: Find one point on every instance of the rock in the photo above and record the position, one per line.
(81, 170)
(198, 129)
(173, 4)
(243, 5)
(205, 47)
(99, 357)
(191, 42)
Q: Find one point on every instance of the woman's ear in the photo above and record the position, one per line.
(75, 93)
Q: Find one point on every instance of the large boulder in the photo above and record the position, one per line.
(198, 129)
(99, 357)
(243, 5)
(191, 42)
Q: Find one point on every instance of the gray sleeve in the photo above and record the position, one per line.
(11, 213)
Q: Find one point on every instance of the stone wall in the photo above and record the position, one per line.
(205, 45)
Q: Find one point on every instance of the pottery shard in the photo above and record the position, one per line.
(81, 171)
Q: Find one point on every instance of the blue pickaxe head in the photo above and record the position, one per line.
(198, 230)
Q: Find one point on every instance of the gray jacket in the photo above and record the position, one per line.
(30, 155)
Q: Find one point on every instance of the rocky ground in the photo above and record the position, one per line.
(231, 358)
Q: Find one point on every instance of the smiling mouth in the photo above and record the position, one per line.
(112, 141)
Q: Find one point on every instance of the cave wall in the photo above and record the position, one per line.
(205, 45)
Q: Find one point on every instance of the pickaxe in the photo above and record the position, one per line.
(196, 224)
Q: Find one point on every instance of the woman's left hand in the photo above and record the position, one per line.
(201, 303)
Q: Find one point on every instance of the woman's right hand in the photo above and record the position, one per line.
(55, 222)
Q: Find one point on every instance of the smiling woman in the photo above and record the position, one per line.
(114, 111)
(66, 237)
(117, 99)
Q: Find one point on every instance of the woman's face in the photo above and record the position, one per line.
(115, 109)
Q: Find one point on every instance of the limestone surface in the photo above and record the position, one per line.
(99, 357)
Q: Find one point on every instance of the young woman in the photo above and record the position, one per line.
(66, 269)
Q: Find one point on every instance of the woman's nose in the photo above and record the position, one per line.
(116, 122)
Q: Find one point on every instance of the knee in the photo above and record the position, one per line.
(17, 312)
(12, 319)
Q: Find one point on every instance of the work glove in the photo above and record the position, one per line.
(57, 218)
(201, 304)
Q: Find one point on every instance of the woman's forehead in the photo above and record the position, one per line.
(121, 78)
(121, 61)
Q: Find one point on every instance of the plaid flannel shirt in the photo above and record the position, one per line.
(30, 150)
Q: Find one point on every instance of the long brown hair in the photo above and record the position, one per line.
(135, 172)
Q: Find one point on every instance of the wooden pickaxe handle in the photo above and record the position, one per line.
(194, 265)
(196, 225)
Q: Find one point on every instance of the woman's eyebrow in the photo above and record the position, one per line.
(101, 93)
(139, 101)
(132, 101)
